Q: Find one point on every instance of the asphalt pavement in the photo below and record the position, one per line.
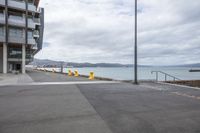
(128, 108)
(98, 108)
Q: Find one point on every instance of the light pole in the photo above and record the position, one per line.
(136, 65)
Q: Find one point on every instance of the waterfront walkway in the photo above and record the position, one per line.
(97, 107)
(41, 76)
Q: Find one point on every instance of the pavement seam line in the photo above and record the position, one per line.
(106, 124)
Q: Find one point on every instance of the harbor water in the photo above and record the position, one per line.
(127, 73)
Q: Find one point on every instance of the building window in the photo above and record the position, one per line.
(30, 2)
(1, 11)
(30, 35)
(15, 32)
(28, 54)
(16, 16)
(20, 0)
(2, 31)
(30, 17)
(15, 53)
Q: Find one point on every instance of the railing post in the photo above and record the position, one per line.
(165, 77)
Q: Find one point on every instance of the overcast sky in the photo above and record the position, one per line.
(102, 31)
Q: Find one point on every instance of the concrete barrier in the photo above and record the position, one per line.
(70, 73)
(76, 74)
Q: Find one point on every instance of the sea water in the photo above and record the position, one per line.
(144, 73)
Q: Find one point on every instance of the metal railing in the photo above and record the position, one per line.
(165, 74)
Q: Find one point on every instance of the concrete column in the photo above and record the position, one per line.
(5, 58)
(23, 58)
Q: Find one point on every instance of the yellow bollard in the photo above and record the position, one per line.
(76, 73)
(70, 73)
(91, 77)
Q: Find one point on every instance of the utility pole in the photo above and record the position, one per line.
(136, 65)
(61, 67)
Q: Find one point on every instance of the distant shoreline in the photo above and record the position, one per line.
(57, 64)
(124, 67)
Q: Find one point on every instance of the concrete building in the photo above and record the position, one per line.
(21, 33)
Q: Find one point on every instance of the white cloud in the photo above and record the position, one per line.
(102, 31)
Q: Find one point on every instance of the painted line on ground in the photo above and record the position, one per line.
(61, 83)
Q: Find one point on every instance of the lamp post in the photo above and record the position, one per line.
(61, 66)
(136, 65)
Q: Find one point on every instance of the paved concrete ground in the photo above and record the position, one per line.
(98, 108)
(15, 79)
(47, 109)
(40, 76)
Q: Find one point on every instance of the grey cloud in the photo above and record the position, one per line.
(102, 31)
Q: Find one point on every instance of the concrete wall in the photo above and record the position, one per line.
(1, 59)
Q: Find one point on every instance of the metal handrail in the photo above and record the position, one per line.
(166, 75)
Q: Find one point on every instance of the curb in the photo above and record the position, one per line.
(183, 86)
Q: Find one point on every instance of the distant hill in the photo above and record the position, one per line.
(51, 63)
(190, 65)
